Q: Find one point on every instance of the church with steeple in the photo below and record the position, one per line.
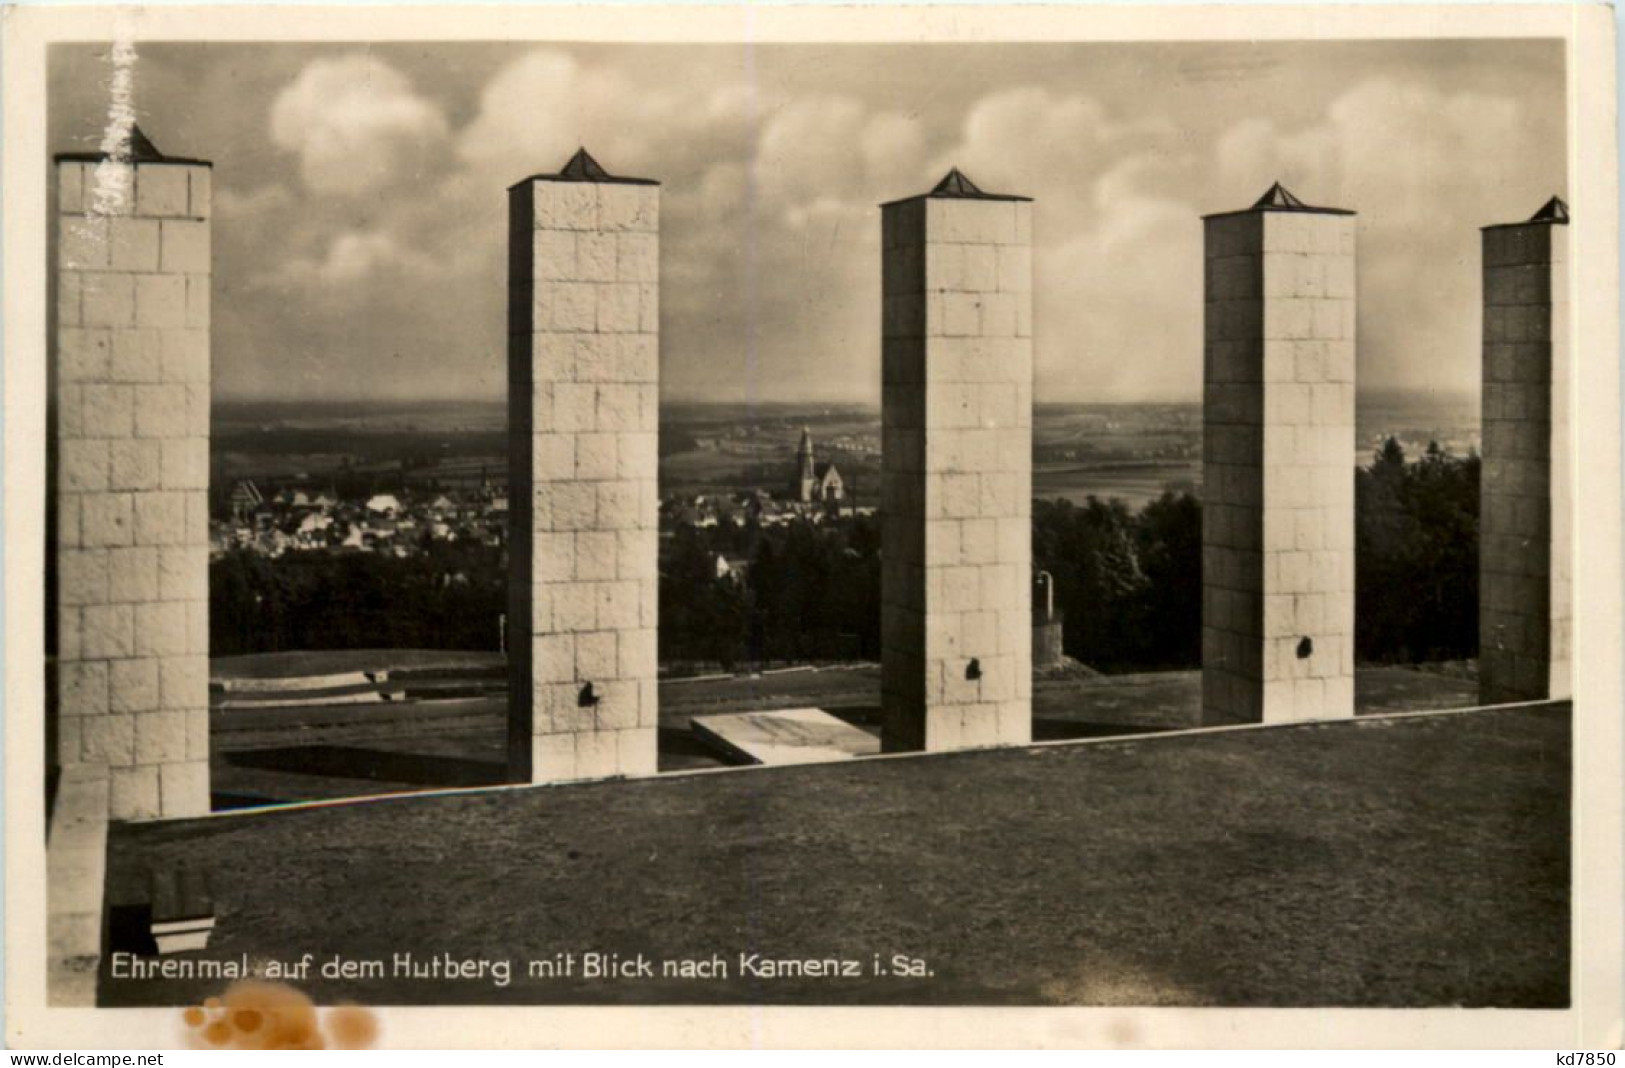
(816, 483)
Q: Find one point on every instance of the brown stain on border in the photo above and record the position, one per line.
(257, 1014)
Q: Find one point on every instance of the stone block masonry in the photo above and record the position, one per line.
(131, 473)
(583, 398)
(1278, 464)
(956, 483)
(1526, 502)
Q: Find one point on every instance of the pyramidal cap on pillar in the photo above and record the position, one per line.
(1555, 212)
(136, 148)
(583, 168)
(956, 185)
(1278, 198)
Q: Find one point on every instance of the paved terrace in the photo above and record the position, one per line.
(1403, 861)
(267, 755)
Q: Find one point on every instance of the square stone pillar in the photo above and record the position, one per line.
(131, 476)
(1525, 583)
(583, 414)
(956, 481)
(1278, 464)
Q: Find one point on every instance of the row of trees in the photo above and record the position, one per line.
(808, 593)
(1416, 557)
(1129, 583)
(452, 596)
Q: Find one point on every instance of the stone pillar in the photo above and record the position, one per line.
(1278, 464)
(956, 483)
(131, 476)
(1048, 639)
(1525, 585)
(583, 412)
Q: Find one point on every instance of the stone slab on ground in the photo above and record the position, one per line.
(295, 684)
(786, 736)
(369, 695)
(273, 666)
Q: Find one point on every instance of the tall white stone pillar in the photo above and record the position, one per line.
(956, 483)
(131, 476)
(1525, 586)
(583, 402)
(1278, 464)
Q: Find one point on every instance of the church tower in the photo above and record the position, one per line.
(806, 476)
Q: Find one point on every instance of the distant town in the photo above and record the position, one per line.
(275, 514)
(396, 480)
(300, 520)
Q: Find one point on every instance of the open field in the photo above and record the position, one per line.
(1359, 863)
(1135, 484)
(1129, 451)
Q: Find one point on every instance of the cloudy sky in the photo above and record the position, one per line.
(360, 203)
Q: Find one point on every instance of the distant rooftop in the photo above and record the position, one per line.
(137, 149)
(956, 185)
(583, 168)
(1279, 198)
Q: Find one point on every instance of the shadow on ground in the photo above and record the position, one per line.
(868, 717)
(375, 765)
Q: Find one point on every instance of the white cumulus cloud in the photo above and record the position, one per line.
(353, 257)
(538, 109)
(357, 124)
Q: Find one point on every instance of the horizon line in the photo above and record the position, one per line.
(867, 402)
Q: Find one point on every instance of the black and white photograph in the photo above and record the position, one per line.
(739, 517)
